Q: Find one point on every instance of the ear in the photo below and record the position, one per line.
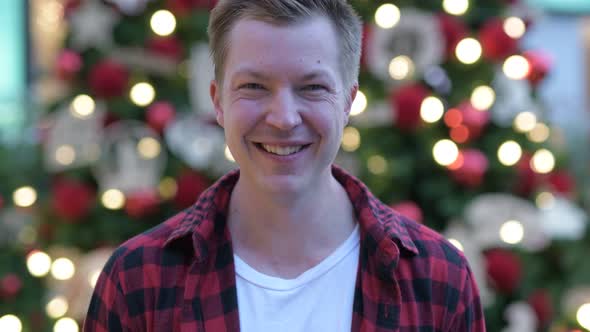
(215, 92)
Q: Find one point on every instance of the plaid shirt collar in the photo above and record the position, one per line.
(381, 231)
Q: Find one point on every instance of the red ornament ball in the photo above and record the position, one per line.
(471, 168)
(68, 65)
(495, 42)
(407, 101)
(539, 66)
(142, 203)
(453, 31)
(540, 301)
(159, 115)
(169, 47)
(504, 270)
(184, 7)
(562, 182)
(10, 286)
(1, 202)
(108, 79)
(71, 6)
(528, 180)
(190, 185)
(410, 210)
(71, 199)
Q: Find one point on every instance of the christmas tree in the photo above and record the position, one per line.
(446, 128)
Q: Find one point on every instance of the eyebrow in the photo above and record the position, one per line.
(306, 77)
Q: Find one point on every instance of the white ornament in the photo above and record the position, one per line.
(78, 290)
(73, 141)
(12, 223)
(130, 7)
(201, 72)
(564, 220)
(417, 36)
(132, 158)
(378, 113)
(512, 97)
(92, 25)
(487, 214)
(139, 59)
(521, 318)
(473, 252)
(199, 143)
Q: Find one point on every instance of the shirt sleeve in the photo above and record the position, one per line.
(469, 316)
(107, 311)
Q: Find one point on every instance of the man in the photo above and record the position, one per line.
(289, 242)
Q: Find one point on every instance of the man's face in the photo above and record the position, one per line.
(283, 103)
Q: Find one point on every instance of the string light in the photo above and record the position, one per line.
(167, 188)
(459, 134)
(457, 244)
(351, 139)
(583, 316)
(65, 155)
(359, 105)
(24, 196)
(82, 106)
(543, 161)
(57, 307)
(509, 153)
(468, 51)
(113, 199)
(512, 232)
(445, 152)
(525, 122)
(540, 133)
(66, 325)
(514, 27)
(142, 94)
(401, 67)
(516, 67)
(38, 263)
(432, 109)
(456, 7)
(545, 200)
(148, 148)
(10, 323)
(228, 154)
(377, 164)
(387, 16)
(483, 97)
(63, 269)
(163, 22)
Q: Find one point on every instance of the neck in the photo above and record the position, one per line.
(272, 232)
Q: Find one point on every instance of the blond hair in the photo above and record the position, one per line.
(342, 16)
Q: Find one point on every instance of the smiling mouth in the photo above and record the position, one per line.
(281, 150)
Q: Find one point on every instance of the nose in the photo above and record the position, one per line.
(283, 111)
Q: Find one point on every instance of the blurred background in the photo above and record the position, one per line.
(473, 119)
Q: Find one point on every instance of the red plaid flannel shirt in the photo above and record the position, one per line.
(179, 276)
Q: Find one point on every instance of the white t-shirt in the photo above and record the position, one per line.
(320, 299)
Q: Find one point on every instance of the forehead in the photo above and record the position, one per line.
(305, 46)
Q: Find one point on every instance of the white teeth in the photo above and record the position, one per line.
(282, 150)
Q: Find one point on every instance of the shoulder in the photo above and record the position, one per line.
(147, 248)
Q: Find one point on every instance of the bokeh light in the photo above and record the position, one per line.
(83, 106)
(359, 105)
(509, 153)
(38, 263)
(401, 67)
(387, 16)
(516, 67)
(456, 7)
(351, 139)
(483, 97)
(512, 232)
(432, 109)
(445, 152)
(113, 199)
(163, 23)
(63, 269)
(468, 51)
(543, 161)
(24, 196)
(142, 94)
(514, 27)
